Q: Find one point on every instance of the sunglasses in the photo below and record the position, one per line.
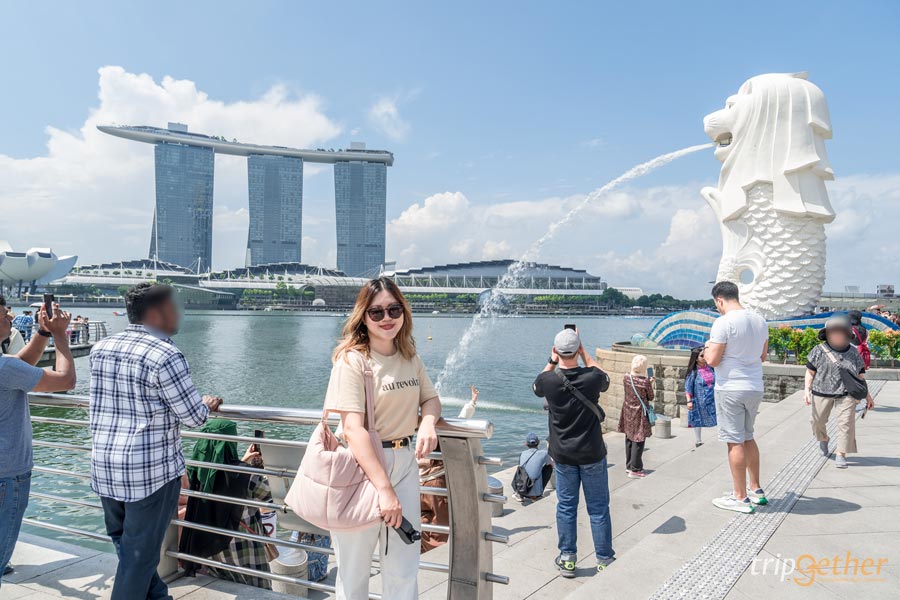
(376, 313)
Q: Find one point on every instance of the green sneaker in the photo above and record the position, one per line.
(566, 565)
(602, 563)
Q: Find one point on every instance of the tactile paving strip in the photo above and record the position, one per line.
(714, 570)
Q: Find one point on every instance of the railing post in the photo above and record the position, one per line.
(471, 554)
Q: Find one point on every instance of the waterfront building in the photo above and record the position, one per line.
(182, 229)
(360, 197)
(182, 221)
(275, 185)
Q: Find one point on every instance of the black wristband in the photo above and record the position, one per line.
(44, 333)
(552, 362)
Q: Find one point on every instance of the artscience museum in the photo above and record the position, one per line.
(31, 268)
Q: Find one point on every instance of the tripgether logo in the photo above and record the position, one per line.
(807, 569)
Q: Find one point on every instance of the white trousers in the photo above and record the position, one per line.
(400, 565)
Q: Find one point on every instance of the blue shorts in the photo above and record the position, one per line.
(736, 412)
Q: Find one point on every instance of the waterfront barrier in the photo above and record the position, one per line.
(470, 531)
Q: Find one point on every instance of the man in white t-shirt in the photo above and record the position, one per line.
(737, 347)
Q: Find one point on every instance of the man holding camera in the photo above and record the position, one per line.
(577, 447)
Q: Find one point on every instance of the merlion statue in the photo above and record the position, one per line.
(771, 198)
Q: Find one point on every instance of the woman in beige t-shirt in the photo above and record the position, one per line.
(380, 328)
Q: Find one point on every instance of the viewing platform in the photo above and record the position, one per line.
(670, 541)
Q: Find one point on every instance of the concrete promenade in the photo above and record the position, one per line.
(667, 534)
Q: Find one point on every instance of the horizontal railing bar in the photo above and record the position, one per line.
(61, 445)
(64, 529)
(496, 537)
(428, 566)
(454, 428)
(495, 498)
(64, 500)
(494, 578)
(63, 472)
(254, 573)
(436, 528)
(491, 461)
(434, 491)
(238, 501)
(241, 469)
(243, 439)
(55, 421)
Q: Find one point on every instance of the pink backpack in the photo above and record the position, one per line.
(331, 490)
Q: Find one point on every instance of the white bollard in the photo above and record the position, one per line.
(293, 563)
(663, 428)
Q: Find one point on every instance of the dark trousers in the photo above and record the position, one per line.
(634, 455)
(137, 530)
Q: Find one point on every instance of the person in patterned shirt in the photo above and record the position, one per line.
(141, 394)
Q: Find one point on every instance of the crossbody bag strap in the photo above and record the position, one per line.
(574, 391)
(527, 460)
(634, 388)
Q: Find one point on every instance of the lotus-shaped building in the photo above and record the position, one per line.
(36, 266)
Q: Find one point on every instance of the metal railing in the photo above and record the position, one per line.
(470, 530)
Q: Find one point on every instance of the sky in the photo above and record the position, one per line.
(501, 116)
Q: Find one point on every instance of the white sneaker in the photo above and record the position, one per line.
(757, 497)
(729, 502)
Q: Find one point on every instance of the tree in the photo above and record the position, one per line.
(613, 298)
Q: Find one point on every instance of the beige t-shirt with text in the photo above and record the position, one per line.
(401, 387)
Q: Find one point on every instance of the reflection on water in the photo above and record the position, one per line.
(285, 360)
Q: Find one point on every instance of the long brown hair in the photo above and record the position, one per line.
(355, 335)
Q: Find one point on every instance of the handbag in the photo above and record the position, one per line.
(331, 490)
(648, 408)
(593, 406)
(856, 386)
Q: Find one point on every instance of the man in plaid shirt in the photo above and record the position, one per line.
(141, 394)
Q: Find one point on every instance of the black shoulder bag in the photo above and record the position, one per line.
(593, 406)
(855, 385)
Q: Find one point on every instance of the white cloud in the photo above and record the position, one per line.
(593, 142)
(663, 238)
(384, 115)
(93, 194)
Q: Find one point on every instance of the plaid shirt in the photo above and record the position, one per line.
(141, 393)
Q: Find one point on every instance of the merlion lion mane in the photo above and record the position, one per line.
(771, 199)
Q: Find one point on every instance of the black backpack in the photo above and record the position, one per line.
(522, 482)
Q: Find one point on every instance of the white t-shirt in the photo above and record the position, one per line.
(744, 334)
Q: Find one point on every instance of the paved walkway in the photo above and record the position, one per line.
(660, 525)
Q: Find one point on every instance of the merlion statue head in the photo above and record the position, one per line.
(771, 199)
(773, 130)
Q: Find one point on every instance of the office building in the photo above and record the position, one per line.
(360, 196)
(182, 221)
(275, 185)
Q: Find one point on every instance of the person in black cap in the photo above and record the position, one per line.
(577, 447)
(537, 463)
(830, 369)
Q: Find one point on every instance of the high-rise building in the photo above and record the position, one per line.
(182, 223)
(275, 184)
(360, 197)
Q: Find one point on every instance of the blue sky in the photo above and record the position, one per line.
(501, 102)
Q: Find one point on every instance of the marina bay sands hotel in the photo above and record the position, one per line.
(182, 222)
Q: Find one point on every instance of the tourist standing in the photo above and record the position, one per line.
(18, 376)
(379, 332)
(634, 420)
(538, 465)
(737, 347)
(141, 395)
(24, 323)
(577, 447)
(699, 390)
(826, 386)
